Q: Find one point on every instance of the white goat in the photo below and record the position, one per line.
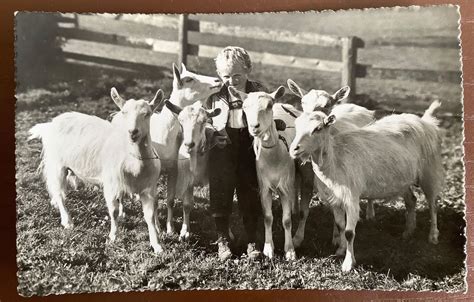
(275, 167)
(381, 160)
(193, 153)
(166, 136)
(348, 116)
(119, 157)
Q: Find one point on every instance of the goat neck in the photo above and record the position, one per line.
(198, 160)
(143, 150)
(267, 140)
(178, 99)
(323, 159)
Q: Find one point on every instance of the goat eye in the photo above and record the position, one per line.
(188, 80)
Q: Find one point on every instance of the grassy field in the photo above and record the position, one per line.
(52, 260)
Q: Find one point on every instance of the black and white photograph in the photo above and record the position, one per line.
(280, 150)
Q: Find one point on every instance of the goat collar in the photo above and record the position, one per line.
(280, 137)
(155, 155)
(207, 146)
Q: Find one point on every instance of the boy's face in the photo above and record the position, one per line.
(233, 75)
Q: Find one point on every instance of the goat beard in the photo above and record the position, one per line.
(305, 158)
(257, 147)
(257, 143)
(185, 152)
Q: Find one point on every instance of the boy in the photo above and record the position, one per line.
(232, 162)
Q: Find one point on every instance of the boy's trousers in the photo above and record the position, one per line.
(233, 168)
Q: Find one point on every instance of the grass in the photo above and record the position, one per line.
(52, 260)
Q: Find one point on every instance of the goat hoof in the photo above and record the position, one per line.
(297, 241)
(231, 235)
(346, 266)
(184, 236)
(112, 238)
(369, 217)
(268, 250)
(169, 230)
(340, 252)
(290, 255)
(157, 249)
(433, 238)
(157, 227)
(407, 234)
(67, 225)
(121, 215)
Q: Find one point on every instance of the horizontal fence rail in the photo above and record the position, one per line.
(110, 40)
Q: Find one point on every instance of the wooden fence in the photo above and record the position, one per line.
(145, 45)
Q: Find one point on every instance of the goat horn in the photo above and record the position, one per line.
(172, 107)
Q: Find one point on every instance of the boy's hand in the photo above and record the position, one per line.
(217, 138)
(220, 141)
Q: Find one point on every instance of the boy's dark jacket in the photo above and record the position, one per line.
(225, 102)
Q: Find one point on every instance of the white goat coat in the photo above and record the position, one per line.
(96, 152)
(399, 147)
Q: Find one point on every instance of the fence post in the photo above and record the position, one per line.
(76, 20)
(349, 63)
(183, 39)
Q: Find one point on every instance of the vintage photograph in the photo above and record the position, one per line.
(288, 150)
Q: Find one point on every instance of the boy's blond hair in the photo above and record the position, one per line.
(232, 55)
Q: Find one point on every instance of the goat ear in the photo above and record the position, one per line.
(172, 107)
(177, 77)
(237, 94)
(280, 125)
(118, 100)
(341, 94)
(278, 93)
(295, 88)
(183, 68)
(329, 120)
(213, 112)
(157, 100)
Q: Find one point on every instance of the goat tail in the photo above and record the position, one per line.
(38, 131)
(428, 115)
(429, 112)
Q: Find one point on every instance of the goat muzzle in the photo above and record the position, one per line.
(134, 135)
(190, 145)
(217, 85)
(295, 151)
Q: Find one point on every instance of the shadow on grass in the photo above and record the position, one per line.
(378, 245)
